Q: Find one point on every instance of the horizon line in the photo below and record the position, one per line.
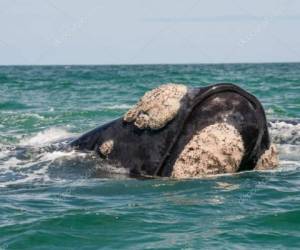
(145, 64)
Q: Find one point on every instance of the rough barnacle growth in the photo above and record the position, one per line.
(216, 149)
(157, 107)
(269, 159)
(106, 147)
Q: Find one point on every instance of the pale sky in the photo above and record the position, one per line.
(148, 31)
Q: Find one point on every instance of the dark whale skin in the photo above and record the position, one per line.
(147, 152)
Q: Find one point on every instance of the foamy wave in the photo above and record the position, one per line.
(285, 133)
(23, 115)
(30, 160)
(36, 167)
(118, 107)
(289, 152)
(36, 159)
(45, 137)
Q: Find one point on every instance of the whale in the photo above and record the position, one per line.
(216, 129)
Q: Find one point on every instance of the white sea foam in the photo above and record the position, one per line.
(285, 133)
(119, 107)
(31, 161)
(45, 137)
(36, 167)
(23, 115)
(33, 164)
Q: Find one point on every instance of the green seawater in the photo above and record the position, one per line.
(54, 199)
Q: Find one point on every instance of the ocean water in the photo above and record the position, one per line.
(57, 200)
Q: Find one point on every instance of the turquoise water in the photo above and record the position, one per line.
(56, 200)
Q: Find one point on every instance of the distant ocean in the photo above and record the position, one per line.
(49, 199)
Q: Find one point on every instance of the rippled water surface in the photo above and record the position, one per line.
(53, 200)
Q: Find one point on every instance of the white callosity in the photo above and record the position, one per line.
(157, 107)
(269, 159)
(106, 147)
(216, 149)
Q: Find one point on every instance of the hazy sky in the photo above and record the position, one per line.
(152, 31)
